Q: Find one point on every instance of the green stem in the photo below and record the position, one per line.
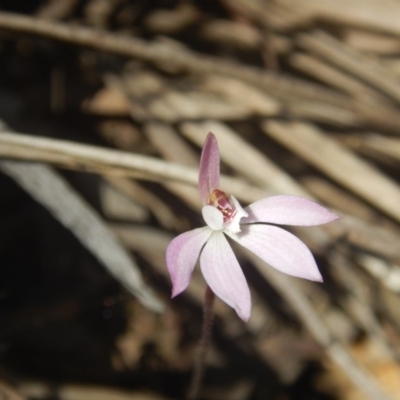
(198, 372)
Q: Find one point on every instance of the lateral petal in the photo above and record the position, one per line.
(181, 257)
(209, 167)
(280, 249)
(224, 275)
(288, 210)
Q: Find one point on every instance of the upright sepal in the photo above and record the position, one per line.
(209, 168)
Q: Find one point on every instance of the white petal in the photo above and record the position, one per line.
(213, 217)
(288, 210)
(280, 249)
(223, 274)
(181, 257)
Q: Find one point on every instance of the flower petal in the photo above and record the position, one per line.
(280, 249)
(223, 274)
(288, 210)
(213, 217)
(182, 255)
(209, 167)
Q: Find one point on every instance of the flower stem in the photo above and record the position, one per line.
(198, 372)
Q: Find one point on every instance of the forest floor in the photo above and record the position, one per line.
(104, 108)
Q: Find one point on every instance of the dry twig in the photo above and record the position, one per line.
(339, 163)
(111, 162)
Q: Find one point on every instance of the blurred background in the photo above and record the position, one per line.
(303, 97)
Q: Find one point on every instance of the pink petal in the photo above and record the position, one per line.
(209, 167)
(182, 255)
(280, 249)
(223, 274)
(288, 210)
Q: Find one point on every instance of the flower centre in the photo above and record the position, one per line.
(220, 200)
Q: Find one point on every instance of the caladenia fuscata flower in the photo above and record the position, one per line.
(250, 227)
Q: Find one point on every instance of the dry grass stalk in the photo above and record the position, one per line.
(371, 42)
(145, 198)
(334, 77)
(374, 15)
(167, 54)
(177, 151)
(363, 67)
(54, 193)
(339, 163)
(111, 162)
(375, 144)
(252, 163)
(338, 353)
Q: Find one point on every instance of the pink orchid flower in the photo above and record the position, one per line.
(249, 227)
